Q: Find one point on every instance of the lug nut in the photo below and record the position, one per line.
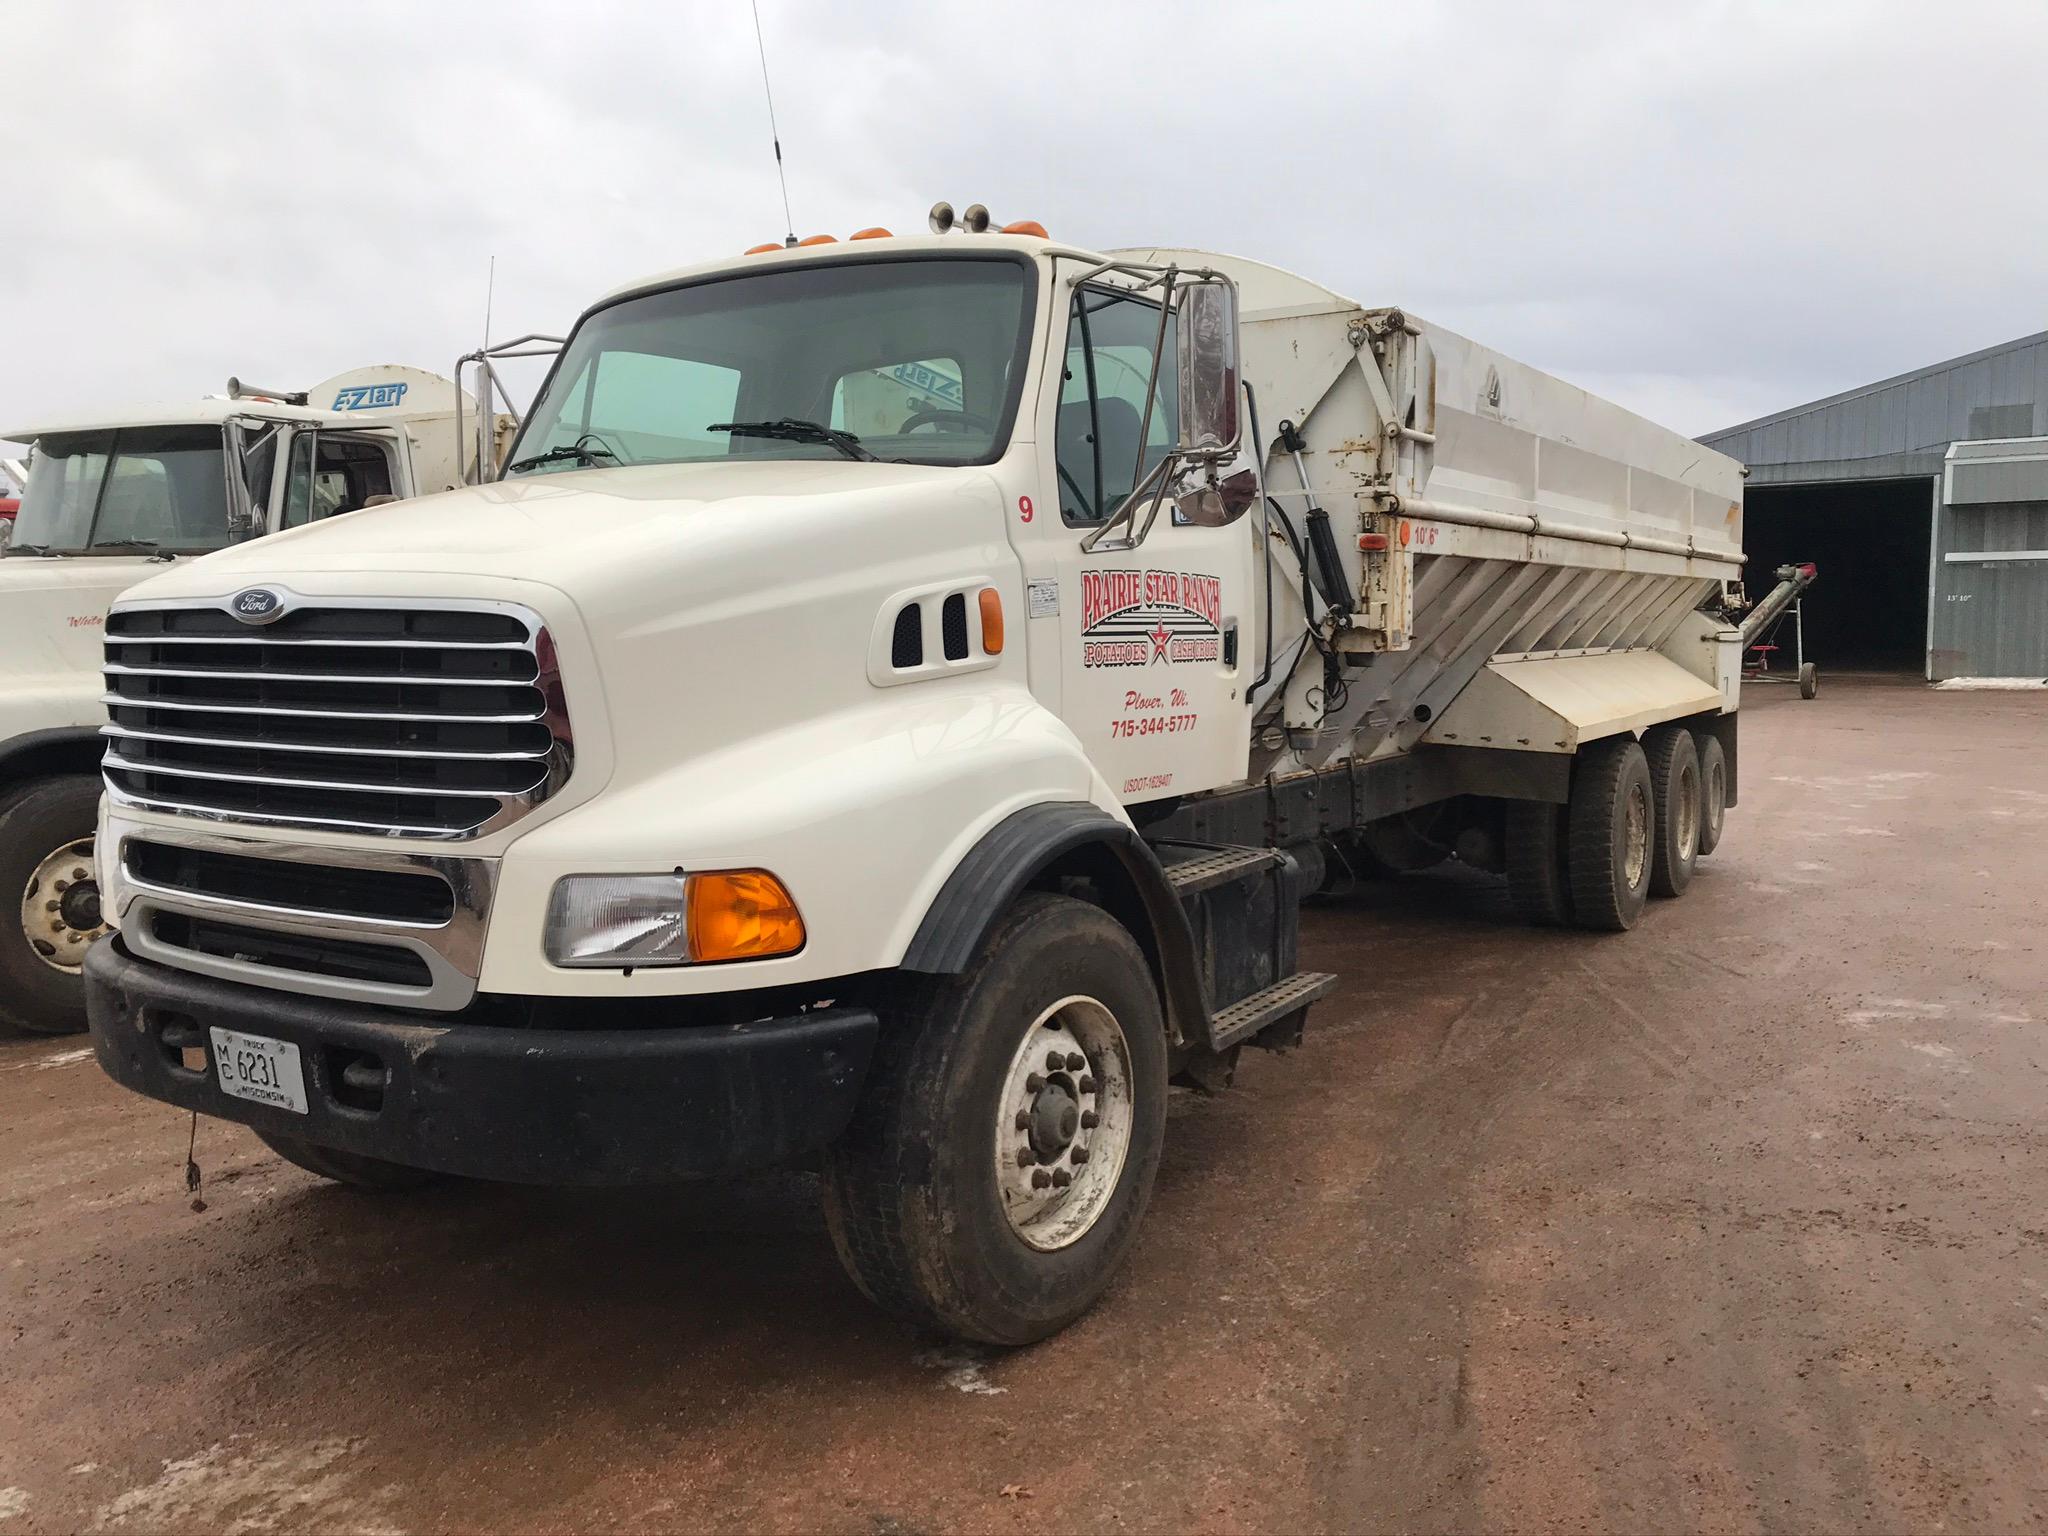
(49, 906)
(1087, 1085)
(1040, 1179)
(1061, 1178)
(1023, 1121)
(1054, 1060)
(1076, 1061)
(1024, 1157)
(62, 886)
(1080, 1154)
(78, 874)
(1089, 1119)
(1033, 1083)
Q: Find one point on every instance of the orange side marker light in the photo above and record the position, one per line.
(991, 621)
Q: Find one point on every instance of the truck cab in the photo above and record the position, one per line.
(106, 502)
(886, 715)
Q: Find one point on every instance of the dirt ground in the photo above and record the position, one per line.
(1737, 1222)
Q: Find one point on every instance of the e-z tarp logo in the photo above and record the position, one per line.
(1135, 618)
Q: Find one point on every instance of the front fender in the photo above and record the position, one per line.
(863, 814)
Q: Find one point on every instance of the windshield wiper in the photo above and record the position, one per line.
(579, 450)
(791, 429)
(126, 544)
(26, 549)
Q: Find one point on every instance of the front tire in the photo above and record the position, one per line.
(1611, 826)
(1809, 680)
(348, 1167)
(956, 1199)
(49, 903)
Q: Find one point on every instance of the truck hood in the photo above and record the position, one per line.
(553, 528)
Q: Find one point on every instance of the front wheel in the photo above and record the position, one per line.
(49, 903)
(1809, 680)
(994, 1175)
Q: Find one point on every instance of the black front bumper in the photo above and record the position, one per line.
(538, 1106)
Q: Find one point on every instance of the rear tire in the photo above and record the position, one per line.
(348, 1167)
(1538, 884)
(49, 913)
(1611, 827)
(1713, 791)
(922, 1192)
(1809, 680)
(1675, 780)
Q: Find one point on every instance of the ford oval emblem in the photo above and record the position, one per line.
(256, 605)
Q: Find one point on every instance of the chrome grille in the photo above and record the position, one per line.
(405, 721)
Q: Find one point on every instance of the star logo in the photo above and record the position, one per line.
(1159, 638)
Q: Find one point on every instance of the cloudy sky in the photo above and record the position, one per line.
(1707, 209)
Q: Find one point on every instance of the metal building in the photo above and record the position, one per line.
(1924, 501)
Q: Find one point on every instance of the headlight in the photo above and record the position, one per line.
(671, 919)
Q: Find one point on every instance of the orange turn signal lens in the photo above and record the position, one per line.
(819, 240)
(991, 621)
(741, 914)
(1027, 227)
(877, 233)
(772, 245)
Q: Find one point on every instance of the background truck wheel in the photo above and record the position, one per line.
(1612, 825)
(1538, 885)
(49, 902)
(1713, 791)
(1003, 1151)
(347, 1167)
(1809, 680)
(1675, 783)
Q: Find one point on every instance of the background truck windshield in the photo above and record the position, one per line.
(921, 360)
(161, 487)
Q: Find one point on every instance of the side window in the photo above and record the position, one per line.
(882, 402)
(1110, 337)
(348, 473)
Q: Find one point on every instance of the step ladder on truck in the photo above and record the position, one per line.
(949, 682)
(111, 499)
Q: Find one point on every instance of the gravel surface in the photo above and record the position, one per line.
(1736, 1222)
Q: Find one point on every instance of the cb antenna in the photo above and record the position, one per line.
(773, 132)
(490, 292)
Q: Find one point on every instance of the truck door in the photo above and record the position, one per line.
(1151, 640)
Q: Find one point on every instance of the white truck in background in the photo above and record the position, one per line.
(888, 712)
(107, 501)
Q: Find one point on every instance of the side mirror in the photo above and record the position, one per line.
(1209, 409)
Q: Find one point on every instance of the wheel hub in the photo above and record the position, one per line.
(60, 908)
(1638, 852)
(1065, 1122)
(1055, 1117)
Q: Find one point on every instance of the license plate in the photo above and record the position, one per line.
(260, 1069)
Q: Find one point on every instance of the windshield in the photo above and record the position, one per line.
(919, 361)
(138, 488)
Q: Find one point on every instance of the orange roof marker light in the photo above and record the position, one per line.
(819, 240)
(877, 233)
(772, 245)
(1027, 227)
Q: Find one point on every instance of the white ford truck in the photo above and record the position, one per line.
(888, 713)
(108, 501)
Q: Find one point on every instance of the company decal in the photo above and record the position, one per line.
(1137, 618)
(369, 397)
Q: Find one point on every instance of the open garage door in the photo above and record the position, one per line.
(1870, 539)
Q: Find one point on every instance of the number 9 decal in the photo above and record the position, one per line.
(1023, 509)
